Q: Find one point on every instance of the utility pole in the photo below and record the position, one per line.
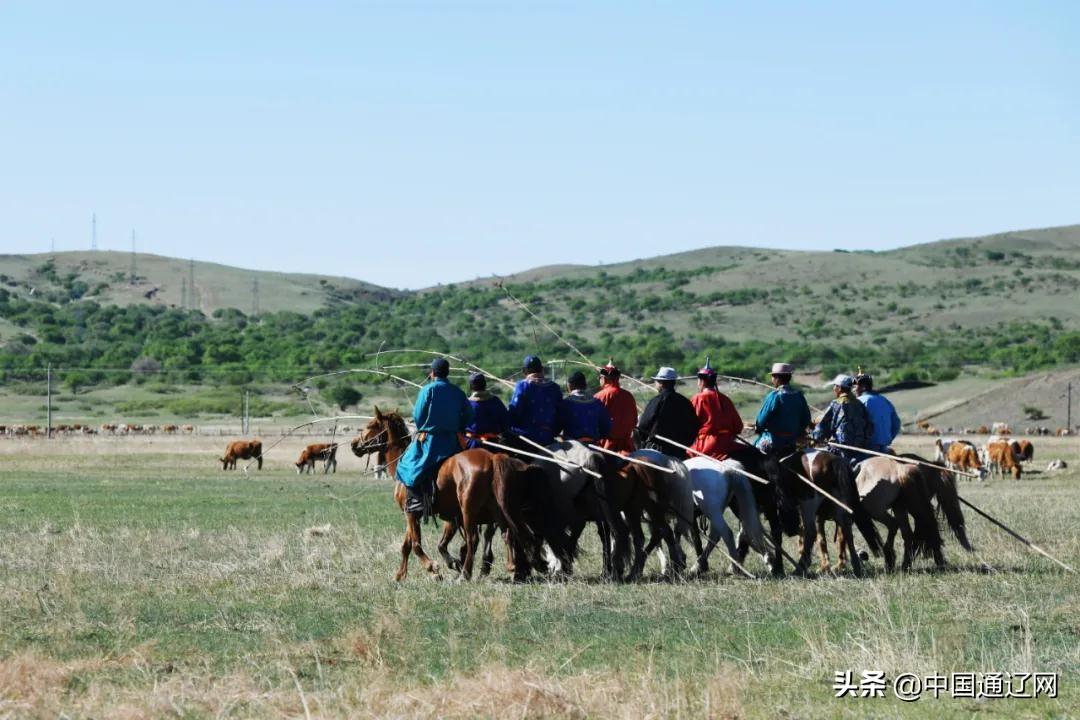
(1068, 405)
(191, 285)
(48, 401)
(183, 294)
(133, 268)
(255, 296)
(246, 422)
(93, 232)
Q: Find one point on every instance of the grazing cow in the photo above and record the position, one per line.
(1000, 428)
(1003, 456)
(963, 456)
(327, 452)
(983, 430)
(241, 450)
(1025, 449)
(1062, 432)
(188, 429)
(1056, 465)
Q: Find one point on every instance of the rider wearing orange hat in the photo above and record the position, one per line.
(720, 421)
(621, 408)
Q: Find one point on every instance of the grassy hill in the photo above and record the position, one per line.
(967, 309)
(105, 277)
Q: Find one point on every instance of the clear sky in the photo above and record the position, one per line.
(411, 143)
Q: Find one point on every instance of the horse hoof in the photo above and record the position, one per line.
(399, 576)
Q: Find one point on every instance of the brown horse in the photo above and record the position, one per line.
(798, 501)
(465, 497)
(892, 490)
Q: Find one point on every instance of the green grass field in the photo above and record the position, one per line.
(139, 580)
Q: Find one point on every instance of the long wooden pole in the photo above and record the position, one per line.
(526, 453)
(713, 460)
(583, 469)
(636, 461)
(995, 521)
(909, 461)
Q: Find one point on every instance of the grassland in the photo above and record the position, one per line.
(139, 580)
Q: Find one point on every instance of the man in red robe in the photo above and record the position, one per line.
(720, 421)
(622, 409)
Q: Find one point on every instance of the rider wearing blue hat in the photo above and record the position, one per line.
(534, 405)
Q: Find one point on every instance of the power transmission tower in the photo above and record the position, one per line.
(183, 293)
(93, 232)
(133, 268)
(255, 296)
(192, 295)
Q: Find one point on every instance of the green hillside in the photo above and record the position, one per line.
(105, 277)
(980, 307)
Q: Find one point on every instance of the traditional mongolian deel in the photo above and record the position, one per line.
(441, 414)
(490, 419)
(884, 419)
(622, 410)
(846, 422)
(671, 415)
(534, 408)
(720, 423)
(783, 419)
(582, 417)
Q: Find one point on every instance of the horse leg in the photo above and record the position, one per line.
(637, 539)
(472, 538)
(488, 556)
(701, 565)
(406, 548)
(823, 544)
(675, 551)
(847, 539)
(777, 533)
(449, 530)
(840, 538)
(909, 539)
(414, 531)
(808, 511)
(890, 552)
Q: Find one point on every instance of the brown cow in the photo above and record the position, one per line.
(964, 457)
(1003, 456)
(327, 452)
(241, 450)
(1026, 450)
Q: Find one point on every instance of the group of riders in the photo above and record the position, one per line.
(448, 421)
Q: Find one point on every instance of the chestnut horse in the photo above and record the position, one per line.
(465, 496)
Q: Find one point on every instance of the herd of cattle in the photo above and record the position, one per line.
(253, 450)
(1000, 456)
(997, 428)
(104, 429)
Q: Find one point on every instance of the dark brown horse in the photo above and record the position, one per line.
(798, 501)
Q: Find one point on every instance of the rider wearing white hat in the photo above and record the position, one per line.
(669, 414)
(846, 421)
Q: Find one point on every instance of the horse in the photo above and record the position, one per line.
(668, 495)
(941, 485)
(578, 498)
(716, 485)
(798, 501)
(890, 490)
(766, 466)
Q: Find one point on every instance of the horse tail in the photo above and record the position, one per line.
(849, 493)
(949, 506)
(511, 500)
(917, 500)
(620, 530)
(748, 511)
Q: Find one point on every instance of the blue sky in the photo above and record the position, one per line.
(409, 143)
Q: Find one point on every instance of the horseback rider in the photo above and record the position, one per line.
(582, 417)
(621, 408)
(784, 414)
(441, 414)
(490, 417)
(720, 421)
(669, 414)
(535, 404)
(882, 414)
(846, 421)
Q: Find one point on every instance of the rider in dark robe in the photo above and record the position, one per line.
(669, 414)
(490, 417)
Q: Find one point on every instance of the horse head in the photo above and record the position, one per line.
(384, 431)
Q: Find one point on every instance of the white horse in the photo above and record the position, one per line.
(715, 485)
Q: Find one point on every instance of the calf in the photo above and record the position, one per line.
(327, 452)
(964, 457)
(241, 450)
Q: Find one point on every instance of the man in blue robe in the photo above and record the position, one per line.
(882, 414)
(490, 417)
(441, 414)
(581, 416)
(534, 405)
(784, 414)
